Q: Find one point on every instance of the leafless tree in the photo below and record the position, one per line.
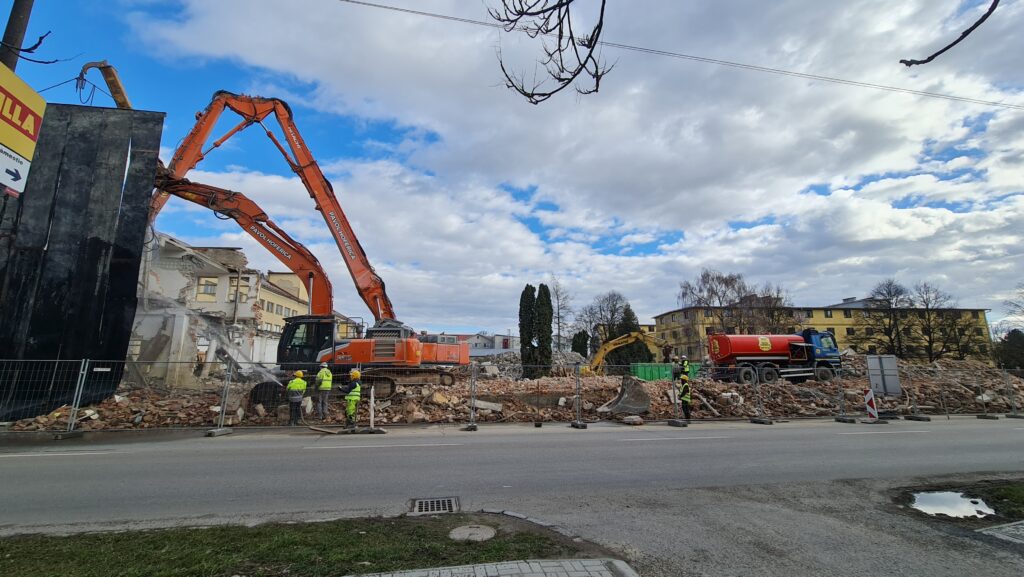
(1015, 306)
(562, 300)
(771, 311)
(934, 325)
(881, 322)
(964, 34)
(719, 294)
(567, 56)
(601, 317)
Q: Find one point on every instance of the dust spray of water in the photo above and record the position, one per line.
(213, 331)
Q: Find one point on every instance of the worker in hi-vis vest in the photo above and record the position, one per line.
(684, 394)
(296, 390)
(323, 390)
(352, 397)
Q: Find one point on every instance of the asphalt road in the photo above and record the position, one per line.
(712, 499)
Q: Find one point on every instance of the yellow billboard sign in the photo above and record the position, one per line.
(21, 116)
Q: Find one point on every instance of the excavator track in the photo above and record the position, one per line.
(386, 381)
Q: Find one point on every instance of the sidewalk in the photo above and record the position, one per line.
(532, 568)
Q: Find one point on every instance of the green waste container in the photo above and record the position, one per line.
(652, 371)
(694, 369)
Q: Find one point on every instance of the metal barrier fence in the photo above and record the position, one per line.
(117, 395)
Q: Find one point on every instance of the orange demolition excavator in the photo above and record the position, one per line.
(308, 340)
(389, 352)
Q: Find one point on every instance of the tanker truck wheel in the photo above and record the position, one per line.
(746, 375)
(823, 374)
(769, 374)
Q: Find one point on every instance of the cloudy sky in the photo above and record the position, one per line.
(461, 192)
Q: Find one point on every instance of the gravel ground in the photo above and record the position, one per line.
(849, 528)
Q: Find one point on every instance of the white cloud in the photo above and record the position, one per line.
(667, 145)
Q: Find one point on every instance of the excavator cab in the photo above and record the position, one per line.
(305, 340)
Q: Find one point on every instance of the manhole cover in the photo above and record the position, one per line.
(472, 533)
(434, 506)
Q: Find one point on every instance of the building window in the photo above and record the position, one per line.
(790, 329)
(983, 349)
(809, 313)
(730, 330)
(847, 314)
(979, 331)
(707, 330)
(207, 289)
(850, 331)
(242, 289)
(906, 331)
(675, 335)
(975, 315)
(828, 313)
(872, 350)
(689, 351)
(708, 313)
(831, 330)
(869, 331)
(278, 309)
(686, 315)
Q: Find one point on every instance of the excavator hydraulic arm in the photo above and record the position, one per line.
(597, 362)
(235, 205)
(258, 225)
(254, 110)
(110, 77)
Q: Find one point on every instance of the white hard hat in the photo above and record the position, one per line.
(682, 357)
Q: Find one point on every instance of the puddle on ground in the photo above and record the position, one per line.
(950, 503)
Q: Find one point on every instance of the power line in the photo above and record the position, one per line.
(716, 61)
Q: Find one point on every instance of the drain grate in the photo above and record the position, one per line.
(434, 506)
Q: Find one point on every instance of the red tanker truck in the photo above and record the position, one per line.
(742, 358)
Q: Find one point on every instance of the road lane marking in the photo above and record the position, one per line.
(71, 454)
(669, 439)
(882, 432)
(386, 446)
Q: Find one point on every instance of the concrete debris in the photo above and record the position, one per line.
(633, 420)
(487, 406)
(438, 398)
(260, 410)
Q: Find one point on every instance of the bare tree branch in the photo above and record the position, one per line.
(566, 59)
(963, 35)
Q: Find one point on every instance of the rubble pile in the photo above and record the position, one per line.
(140, 409)
(957, 386)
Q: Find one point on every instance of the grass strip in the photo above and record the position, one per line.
(297, 550)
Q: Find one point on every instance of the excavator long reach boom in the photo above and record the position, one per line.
(254, 110)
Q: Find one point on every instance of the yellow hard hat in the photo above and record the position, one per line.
(299, 374)
(354, 374)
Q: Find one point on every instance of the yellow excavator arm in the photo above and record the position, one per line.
(597, 361)
(111, 78)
